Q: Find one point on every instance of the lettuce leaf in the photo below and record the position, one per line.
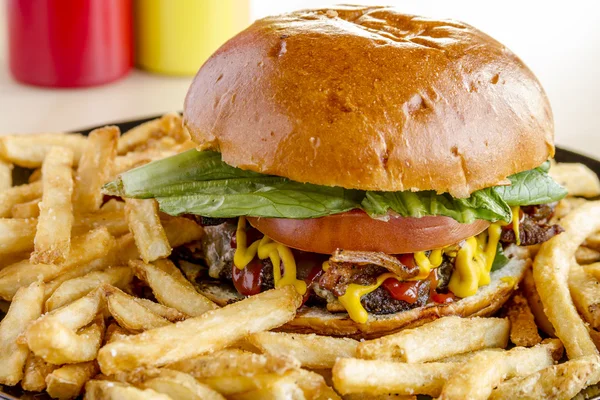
(201, 183)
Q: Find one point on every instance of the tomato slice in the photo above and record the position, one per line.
(247, 281)
(355, 230)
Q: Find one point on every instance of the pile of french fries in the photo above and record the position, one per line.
(94, 306)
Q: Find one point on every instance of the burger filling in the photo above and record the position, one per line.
(233, 252)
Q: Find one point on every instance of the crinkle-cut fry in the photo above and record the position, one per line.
(130, 314)
(95, 168)
(108, 390)
(150, 237)
(200, 335)
(234, 362)
(438, 339)
(29, 209)
(169, 289)
(63, 336)
(578, 179)
(68, 381)
(5, 175)
(535, 303)
(313, 351)
(25, 308)
(18, 194)
(523, 330)
(16, 235)
(585, 255)
(114, 221)
(477, 378)
(76, 288)
(85, 249)
(53, 236)
(30, 151)
(353, 375)
(176, 384)
(551, 272)
(585, 292)
(35, 372)
(556, 382)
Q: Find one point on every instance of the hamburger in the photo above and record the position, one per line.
(392, 168)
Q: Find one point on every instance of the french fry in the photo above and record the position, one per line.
(535, 303)
(18, 194)
(585, 292)
(438, 339)
(281, 388)
(5, 175)
(592, 270)
(352, 375)
(365, 396)
(25, 307)
(234, 362)
(138, 158)
(200, 335)
(551, 273)
(53, 236)
(29, 209)
(76, 288)
(95, 168)
(593, 241)
(114, 221)
(562, 381)
(144, 223)
(168, 313)
(523, 330)
(35, 372)
(170, 291)
(168, 124)
(55, 338)
(167, 266)
(16, 235)
(86, 248)
(313, 385)
(585, 255)
(30, 151)
(107, 390)
(577, 178)
(35, 176)
(476, 379)
(115, 332)
(68, 381)
(128, 313)
(175, 384)
(78, 271)
(311, 350)
(113, 205)
(464, 357)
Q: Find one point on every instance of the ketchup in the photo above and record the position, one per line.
(405, 291)
(247, 281)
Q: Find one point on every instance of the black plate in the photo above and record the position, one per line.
(562, 155)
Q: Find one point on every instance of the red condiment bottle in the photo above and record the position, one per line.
(69, 43)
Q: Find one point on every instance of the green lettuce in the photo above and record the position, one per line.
(201, 183)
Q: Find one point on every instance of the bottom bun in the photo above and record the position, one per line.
(318, 320)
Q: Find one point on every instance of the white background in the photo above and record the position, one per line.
(559, 40)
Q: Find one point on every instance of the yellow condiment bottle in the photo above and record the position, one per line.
(175, 37)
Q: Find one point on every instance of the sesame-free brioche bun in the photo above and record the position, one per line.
(373, 99)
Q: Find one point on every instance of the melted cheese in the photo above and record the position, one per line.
(516, 214)
(474, 262)
(426, 264)
(351, 299)
(264, 248)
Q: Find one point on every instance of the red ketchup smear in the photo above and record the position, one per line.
(247, 281)
(409, 291)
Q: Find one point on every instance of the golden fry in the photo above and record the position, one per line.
(68, 381)
(16, 235)
(5, 175)
(53, 236)
(18, 194)
(35, 372)
(29, 209)
(523, 330)
(30, 151)
(144, 223)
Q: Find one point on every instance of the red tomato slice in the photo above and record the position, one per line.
(355, 230)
